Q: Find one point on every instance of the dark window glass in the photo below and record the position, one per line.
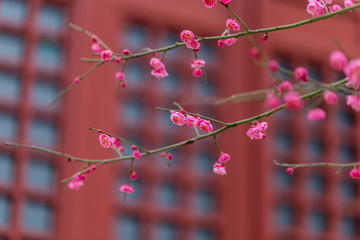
(48, 56)
(172, 82)
(135, 37)
(285, 215)
(43, 133)
(346, 118)
(205, 88)
(350, 226)
(134, 110)
(168, 194)
(8, 126)
(13, 11)
(284, 141)
(167, 231)
(5, 208)
(283, 179)
(37, 216)
(204, 162)
(127, 228)
(6, 168)
(349, 188)
(317, 183)
(51, 18)
(204, 201)
(347, 153)
(44, 93)
(316, 147)
(135, 73)
(40, 174)
(11, 47)
(318, 221)
(9, 86)
(204, 234)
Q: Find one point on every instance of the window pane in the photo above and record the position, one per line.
(135, 73)
(166, 231)
(350, 226)
(285, 215)
(44, 93)
(168, 195)
(43, 133)
(318, 221)
(204, 162)
(204, 201)
(134, 110)
(9, 86)
(40, 174)
(37, 216)
(349, 188)
(204, 234)
(5, 208)
(6, 168)
(135, 37)
(51, 18)
(127, 228)
(11, 47)
(8, 125)
(48, 56)
(13, 11)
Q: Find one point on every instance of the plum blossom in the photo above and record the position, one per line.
(95, 47)
(257, 131)
(159, 68)
(225, 1)
(106, 141)
(232, 25)
(126, 188)
(221, 43)
(354, 102)
(106, 55)
(334, 8)
(272, 100)
(187, 36)
(348, 3)
(178, 118)
(133, 175)
(315, 8)
(76, 183)
(285, 86)
(301, 73)
(293, 101)
(230, 41)
(273, 65)
(209, 3)
(352, 71)
(206, 126)
(355, 173)
(330, 97)
(197, 64)
(219, 168)
(254, 53)
(290, 170)
(338, 60)
(137, 154)
(224, 158)
(316, 114)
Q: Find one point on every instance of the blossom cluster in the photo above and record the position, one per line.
(211, 3)
(197, 64)
(189, 39)
(316, 8)
(257, 131)
(179, 119)
(78, 179)
(159, 68)
(219, 166)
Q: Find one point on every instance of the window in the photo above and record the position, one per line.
(8, 126)
(167, 231)
(204, 201)
(204, 234)
(9, 86)
(11, 47)
(318, 221)
(43, 133)
(168, 194)
(44, 93)
(13, 11)
(350, 226)
(37, 216)
(51, 18)
(285, 215)
(48, 56)
(127, 228)
(135, 37)
(5, 209)
(317, 183)
(6, 168)
(40, 174)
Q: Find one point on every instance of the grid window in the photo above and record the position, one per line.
(204, 201)
(43, 133)
(6, 168)
(37, 216)
(349, 188)
(13, 11)
(172, 82)
(347, 153)
(135, 73)
(168, 195)
(204, 234)
(44, 93)
(11, 47)
(204, 162)
(9, 86)
(40, 174)
(205, 88)
(135, 37)
(134, 110)
(51, 18)
(5, 209)
(317, 183)
(127, 228)
(8, 126)
(167, 231)
(350, 226)
(316, 147)
(318, 221)
(284, 140)
(48, 56)
(285, 215)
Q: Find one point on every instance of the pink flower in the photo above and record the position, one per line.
(156, 63)
(316, 114)
(290, 171)
(334, 8)
(159, 73)
(137, 154)
(315, 8)
(106, 55)
(348, 3)
(76, 183)
(197, 63)
(226, 2)
(264, 37)
(338, 60)
(355, 173)
(133, 175)
(285, 86)
(221, 43)
(206, 126)
(257, 131)
(105, 141)
(187, 36)
(273, 65)
(95, 47)
(330, 97)
(219, 168)
(209, 3)
(354, 102)
(230, 41)
(352, 71)
(126, 188)
(190, 120)
(133, 147)
(169, 156)
(193, 45)
(232, 25)
(197, 72)
(272, 100)
(116, 142)
(119, 75)
(118, 59)
(224, 158)
(254, 53)
(301, 73)
(126, 51)
(178, 118)
(76, 80)
(293, 101)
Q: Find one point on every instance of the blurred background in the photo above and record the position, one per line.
(40, 55)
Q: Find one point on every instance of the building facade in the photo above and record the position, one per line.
(179, 199)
